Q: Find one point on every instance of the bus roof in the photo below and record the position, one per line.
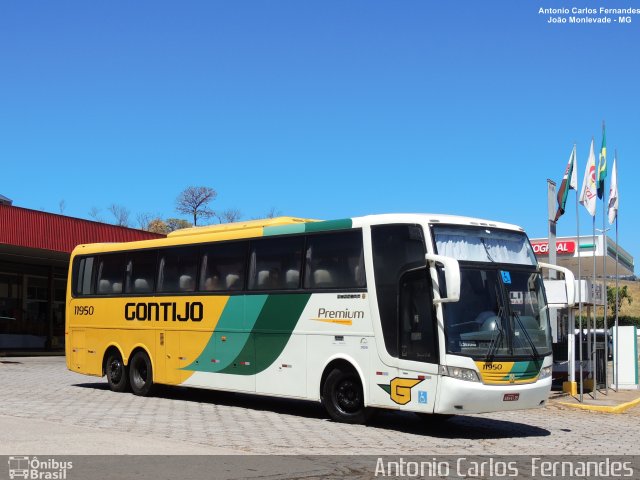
(284, 225)
(228, 227)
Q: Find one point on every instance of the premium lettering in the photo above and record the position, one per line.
(340, 314)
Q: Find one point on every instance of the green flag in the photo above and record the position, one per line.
(602, 164)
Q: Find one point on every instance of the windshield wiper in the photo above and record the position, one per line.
(486, 249)
(495, 342)
(516, 315)
(498, 337)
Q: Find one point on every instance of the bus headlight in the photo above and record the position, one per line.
(459, 373)
(544, 372)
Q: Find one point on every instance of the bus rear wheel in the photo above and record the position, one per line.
(117, 373)
(343, 397)
(141, 374)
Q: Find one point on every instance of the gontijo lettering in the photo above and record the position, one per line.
(164, 311)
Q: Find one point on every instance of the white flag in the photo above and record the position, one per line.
(573, 183)
(589, 192)
(613, 193)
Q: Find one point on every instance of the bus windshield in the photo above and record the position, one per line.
(502, 309)
(480, 244)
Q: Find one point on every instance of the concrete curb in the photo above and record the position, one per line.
(603, 408)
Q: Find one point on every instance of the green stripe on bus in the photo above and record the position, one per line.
(524, 370)
(341, 224)
(271, 332)
(283, 229)
(325, 226)
(240, 313)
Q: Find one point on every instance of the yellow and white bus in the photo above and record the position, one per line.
(428, 313)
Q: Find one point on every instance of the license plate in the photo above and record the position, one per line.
(510, 397)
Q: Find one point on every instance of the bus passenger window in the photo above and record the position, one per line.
(222, 267)
(275, 263)
(335, 260)
(110, 274)
(141, 269)
(177, 270)
(83, 279)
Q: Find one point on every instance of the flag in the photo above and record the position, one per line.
(613, 193)
(602, 164)
(569, 182)
(588, 193)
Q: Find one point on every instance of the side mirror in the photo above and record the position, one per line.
(569, 281)
(451, 276)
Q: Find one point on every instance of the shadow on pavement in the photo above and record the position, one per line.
(458, 427)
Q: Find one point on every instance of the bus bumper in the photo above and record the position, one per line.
(460, 396)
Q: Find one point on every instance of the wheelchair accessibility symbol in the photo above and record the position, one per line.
(422, 396)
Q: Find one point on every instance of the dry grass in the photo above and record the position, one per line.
(633, 288)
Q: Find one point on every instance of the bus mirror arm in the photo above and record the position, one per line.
(569, 280)
(451, 275)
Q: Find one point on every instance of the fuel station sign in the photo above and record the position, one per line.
(563, 247)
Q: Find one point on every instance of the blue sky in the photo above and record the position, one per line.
(321, 109)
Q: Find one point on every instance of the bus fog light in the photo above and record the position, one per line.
(545, 372)
(460, 373)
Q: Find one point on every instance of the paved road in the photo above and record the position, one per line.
(46, 409)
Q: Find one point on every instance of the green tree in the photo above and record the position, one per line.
(157, 225)
(177, 223)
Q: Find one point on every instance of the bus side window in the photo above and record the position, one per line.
(275, 263)
(177, 270)
(83, 278)
(110, 274)
(141, 269)
(335, 260)
(222, 267)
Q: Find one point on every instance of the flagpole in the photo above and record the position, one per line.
(579, 288)
(616, 364)
(604, 295)
(616, 374)
(592, 347)
(605, 252)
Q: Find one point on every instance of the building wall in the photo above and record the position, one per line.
(34, 258)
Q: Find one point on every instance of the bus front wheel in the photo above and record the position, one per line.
(343, 397)
(117, 373)
(141, 374)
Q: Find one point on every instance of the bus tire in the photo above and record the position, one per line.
(117, 372)
(343, 397)
(140, 374)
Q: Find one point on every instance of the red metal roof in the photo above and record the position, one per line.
(33, 229)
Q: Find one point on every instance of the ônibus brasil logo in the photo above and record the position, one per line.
(33, 468)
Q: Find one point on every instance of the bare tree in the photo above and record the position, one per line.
(195, 201)
(62, 205)
(272, 213)
(144, 219)
(94, 213)
(120, 213)
(229, 215)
